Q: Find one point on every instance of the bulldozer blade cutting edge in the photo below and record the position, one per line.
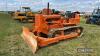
(30, 39)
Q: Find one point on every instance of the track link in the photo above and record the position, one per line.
(67, 30)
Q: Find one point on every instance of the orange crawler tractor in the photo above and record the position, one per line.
(51, 28)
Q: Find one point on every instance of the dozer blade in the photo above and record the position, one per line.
(30, 39)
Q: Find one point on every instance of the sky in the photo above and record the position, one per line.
(62, 5)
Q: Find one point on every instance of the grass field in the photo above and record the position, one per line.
(11, 43)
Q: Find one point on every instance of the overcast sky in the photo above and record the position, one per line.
(63, 5)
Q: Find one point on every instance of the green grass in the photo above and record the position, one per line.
(11, 43)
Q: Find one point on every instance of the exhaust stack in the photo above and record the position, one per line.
(48, 8)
